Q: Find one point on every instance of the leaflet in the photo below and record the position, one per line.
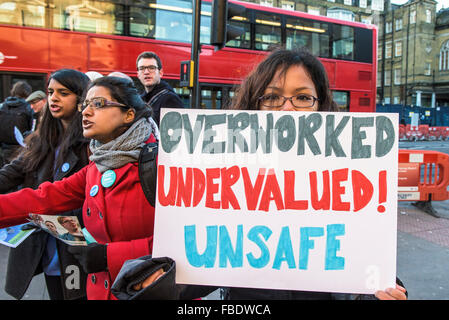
(65, 228)
(13, 236)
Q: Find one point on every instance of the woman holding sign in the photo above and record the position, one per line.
(56, 150)
(285, 81)
(116, 212)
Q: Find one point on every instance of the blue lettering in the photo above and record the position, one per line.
(306, 244)
(284, 250)
(207, 259)
(332, 246)
(253, 235)
(226, 251)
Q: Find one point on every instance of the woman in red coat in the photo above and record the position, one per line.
(115, 210)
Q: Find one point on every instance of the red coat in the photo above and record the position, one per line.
(119, 216)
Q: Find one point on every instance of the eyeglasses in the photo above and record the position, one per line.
(299, 101)
(149, 68)
(98, 103)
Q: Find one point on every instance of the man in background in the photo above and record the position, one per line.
(158, 93)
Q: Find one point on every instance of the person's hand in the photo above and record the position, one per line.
(397, 293)
(93, 257)
(29, 226)
(149, 280)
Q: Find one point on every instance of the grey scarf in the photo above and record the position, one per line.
(122, 150)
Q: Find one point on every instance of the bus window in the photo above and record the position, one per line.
(343, 42)
(23, 13)
(87, 16)
(36, 81)
(342, 100)
(307, 33)
(141, 22)
(244, 41)
(173, 20)
(268, 30)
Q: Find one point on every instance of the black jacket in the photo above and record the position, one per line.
(17, 112)
(24, 262)
(162, 96)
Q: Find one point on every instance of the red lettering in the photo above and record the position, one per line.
(289, 193)
(212, 188)
(324, 202)
(252, 192)
(199, 186)
(337, 190)
(184, 188)
(228, 178)
(362, 190)
(271, 192)
(169, 199)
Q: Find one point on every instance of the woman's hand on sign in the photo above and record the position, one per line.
(397, 293)
(152, 278)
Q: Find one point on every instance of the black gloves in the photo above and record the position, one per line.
(93, 257)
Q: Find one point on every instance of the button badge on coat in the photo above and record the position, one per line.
(65, 167)
(108, 178)
(93, 191)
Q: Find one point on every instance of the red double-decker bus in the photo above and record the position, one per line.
(38, 37)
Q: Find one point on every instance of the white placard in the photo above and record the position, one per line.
(307, 202)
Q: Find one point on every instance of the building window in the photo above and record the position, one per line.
(313, 10)
(388, 27)
(342, 14)
(347, 2)
(268, 3)
(388, 50)
(387, 100)
(366, 20)
(444, 56)
(379, 78)
(331, 0)
(398, 24)
(288, 5)
(428, 16)
(379, 53)
(413, 16)
(387, 78)
(428, 69)
(397, 76)
(398, 48)
(377, 5)
(395, 100)
(363, 3)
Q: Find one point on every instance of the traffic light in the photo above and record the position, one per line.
(221, 29)
(187, 70)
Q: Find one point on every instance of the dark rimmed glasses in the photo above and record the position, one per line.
(99, 103)
(301, 100)
(149, 68)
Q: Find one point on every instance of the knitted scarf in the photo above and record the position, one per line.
(123, 149)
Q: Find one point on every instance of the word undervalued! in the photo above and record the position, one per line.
(219, 246)
(188, 186)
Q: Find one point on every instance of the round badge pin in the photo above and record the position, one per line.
(108, 178)
(93, 191)
(65, 167)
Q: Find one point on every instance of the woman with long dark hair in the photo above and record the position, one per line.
(116, 212)
(55, 150)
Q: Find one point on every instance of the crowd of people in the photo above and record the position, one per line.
(81, 153)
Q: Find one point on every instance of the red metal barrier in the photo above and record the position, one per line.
(423, 176)
(444, 131)
(412, 133)
(434, 133)
(402, 132)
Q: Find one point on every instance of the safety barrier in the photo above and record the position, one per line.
(423, 177)
(423, 132)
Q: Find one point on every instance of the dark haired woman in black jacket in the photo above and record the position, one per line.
(57, 149)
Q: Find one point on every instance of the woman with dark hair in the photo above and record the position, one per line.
(55, 150)
(287, 80)
(115, 210)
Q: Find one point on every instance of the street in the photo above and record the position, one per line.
(422, 247)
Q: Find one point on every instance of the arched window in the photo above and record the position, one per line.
(444, 56)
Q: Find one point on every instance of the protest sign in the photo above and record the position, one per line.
(281, 200)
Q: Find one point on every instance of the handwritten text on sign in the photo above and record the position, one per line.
(283, 200)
